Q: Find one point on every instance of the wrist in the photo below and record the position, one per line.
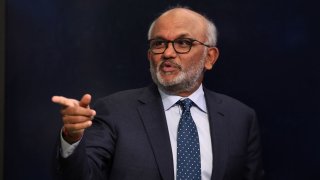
(71, 137)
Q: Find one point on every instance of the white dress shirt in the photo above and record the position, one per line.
(173, 114)
(200, 117)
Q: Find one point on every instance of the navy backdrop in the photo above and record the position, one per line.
(269, 60)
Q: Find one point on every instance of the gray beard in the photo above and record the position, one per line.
(185, 81)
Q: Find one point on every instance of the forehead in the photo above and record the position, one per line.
(179, 22)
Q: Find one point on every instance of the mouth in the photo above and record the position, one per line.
(168, 67)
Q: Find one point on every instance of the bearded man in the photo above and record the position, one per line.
(172, 129)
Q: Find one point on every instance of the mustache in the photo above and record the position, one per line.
(171, 63)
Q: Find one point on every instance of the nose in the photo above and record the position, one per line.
(170, 52)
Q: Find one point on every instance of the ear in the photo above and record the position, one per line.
(212, 56)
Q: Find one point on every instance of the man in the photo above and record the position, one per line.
(173, 129)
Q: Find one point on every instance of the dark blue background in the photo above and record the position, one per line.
(269, 59)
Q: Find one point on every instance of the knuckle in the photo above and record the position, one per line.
(65, 119)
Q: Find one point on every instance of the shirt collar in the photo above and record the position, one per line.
(197, 97)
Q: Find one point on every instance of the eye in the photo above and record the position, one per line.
(183, 42)
(157, 43)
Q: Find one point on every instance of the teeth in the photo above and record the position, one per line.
(167, 73)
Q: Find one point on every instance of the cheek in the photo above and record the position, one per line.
(153, 64)
(155, 59)
(189, 62)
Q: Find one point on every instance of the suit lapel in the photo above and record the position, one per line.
(219, 134)
(153, 118)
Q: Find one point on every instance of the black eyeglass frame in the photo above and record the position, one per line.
(173, 42)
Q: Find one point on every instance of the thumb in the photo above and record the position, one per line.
(85, 100)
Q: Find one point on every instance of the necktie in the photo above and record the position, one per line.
(188, 148)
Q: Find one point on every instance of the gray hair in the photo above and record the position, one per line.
(211, 34)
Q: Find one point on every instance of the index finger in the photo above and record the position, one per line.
(63, 101)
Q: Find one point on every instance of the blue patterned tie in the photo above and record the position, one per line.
(188, 147)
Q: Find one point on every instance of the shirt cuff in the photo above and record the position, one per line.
(66, 148)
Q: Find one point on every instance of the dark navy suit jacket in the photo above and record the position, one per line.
(129, 140)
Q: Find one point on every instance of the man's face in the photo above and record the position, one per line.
(173, 72)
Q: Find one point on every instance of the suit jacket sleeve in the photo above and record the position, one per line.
(92, 158)
(254, 170)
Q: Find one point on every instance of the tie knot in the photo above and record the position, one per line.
(185, 104)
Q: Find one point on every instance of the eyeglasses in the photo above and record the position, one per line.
(180, 45)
